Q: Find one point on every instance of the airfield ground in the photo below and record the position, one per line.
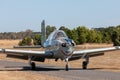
(109, 62)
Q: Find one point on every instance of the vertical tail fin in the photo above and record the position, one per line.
(43, 33)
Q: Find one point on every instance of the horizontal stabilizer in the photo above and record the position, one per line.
(37, 46)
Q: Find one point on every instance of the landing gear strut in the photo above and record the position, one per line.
(85, 63)
(67, 65)
(32, 64)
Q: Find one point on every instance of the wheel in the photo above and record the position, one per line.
(67, 68)
(84, 65)
(33, 67)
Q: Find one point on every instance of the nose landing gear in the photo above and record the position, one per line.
(67, 65)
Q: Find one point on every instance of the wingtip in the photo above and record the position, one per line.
(117, 47)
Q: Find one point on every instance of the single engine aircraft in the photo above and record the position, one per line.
(59, 46)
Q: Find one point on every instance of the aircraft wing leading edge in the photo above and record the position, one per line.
(26, 52)
(94, 52)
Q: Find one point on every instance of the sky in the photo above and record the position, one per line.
(19, 15)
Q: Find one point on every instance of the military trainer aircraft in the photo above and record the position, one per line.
(58, 46)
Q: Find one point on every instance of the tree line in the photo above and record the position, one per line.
(80, 35)
(16, 35)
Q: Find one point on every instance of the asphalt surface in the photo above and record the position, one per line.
(72, 74)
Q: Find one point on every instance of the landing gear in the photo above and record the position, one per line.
(67, 65)
(85, 63)
(32, 64)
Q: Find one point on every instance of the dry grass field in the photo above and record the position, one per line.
(8, 43)
(109, 62)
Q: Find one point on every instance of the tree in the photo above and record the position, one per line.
(94, 36)
(106, 34)
(25, 41)
(91, 36)
(28, 33)
(37, 39)
(98, 37)
(116, 38)
(82, 32)
(49, 29)
(74, 36)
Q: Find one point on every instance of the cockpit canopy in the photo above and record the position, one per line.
(56, 34)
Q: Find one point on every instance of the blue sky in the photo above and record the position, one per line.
(19, 15)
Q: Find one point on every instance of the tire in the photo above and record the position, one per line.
(33, 67)
(67, 68)
(84, 65)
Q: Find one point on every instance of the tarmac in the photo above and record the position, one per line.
(72, 74)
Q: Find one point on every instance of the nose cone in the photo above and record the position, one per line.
(68, 50)
(67, 46)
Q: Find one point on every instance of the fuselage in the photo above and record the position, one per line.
(59, 45)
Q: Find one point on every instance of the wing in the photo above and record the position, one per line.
(92, 52)
(42, 54)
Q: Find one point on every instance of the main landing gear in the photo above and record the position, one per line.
(85, 63)
(32, 64)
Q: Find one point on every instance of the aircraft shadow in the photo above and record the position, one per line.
(26, 68)
(18, 68)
